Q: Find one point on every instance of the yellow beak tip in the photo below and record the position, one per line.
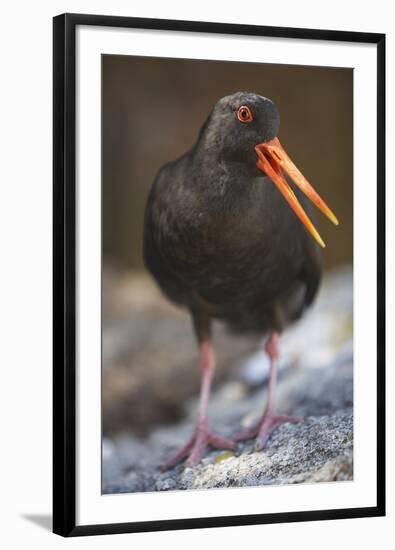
(318, 239)
(333, 218)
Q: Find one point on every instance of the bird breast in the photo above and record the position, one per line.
(224, 247)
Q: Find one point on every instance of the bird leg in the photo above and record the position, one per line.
(194, 450)
(268, 421)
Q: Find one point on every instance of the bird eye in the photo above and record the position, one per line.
(244, 114)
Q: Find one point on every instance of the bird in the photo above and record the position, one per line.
(229, 236)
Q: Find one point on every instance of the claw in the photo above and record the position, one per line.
(194, 450)
(264, 428)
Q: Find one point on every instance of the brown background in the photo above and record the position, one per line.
(153, 109)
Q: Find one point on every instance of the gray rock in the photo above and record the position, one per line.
(320, 449)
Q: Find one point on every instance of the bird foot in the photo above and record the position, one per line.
(194, 450)
(264, 428)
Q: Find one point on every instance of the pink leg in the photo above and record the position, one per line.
(194, 450)
(268, 421)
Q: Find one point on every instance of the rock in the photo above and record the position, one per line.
(320, 449)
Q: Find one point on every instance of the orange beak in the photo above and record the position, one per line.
(272, 160)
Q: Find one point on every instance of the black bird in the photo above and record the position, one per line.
(220, 240)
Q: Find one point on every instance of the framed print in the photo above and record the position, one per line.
(219, 276)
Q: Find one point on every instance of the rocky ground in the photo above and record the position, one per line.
(315, 381)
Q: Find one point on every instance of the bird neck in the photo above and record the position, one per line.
(222, 177)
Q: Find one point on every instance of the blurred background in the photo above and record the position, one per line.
(152, 110)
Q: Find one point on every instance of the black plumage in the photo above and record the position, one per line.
(220, 239)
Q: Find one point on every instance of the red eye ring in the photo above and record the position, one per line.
(244, 114)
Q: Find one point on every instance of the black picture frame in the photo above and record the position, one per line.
(64, 273)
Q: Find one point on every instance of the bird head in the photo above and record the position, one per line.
(244, 127)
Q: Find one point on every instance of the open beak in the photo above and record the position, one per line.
(272, 160)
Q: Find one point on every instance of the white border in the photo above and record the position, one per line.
(92, 507)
